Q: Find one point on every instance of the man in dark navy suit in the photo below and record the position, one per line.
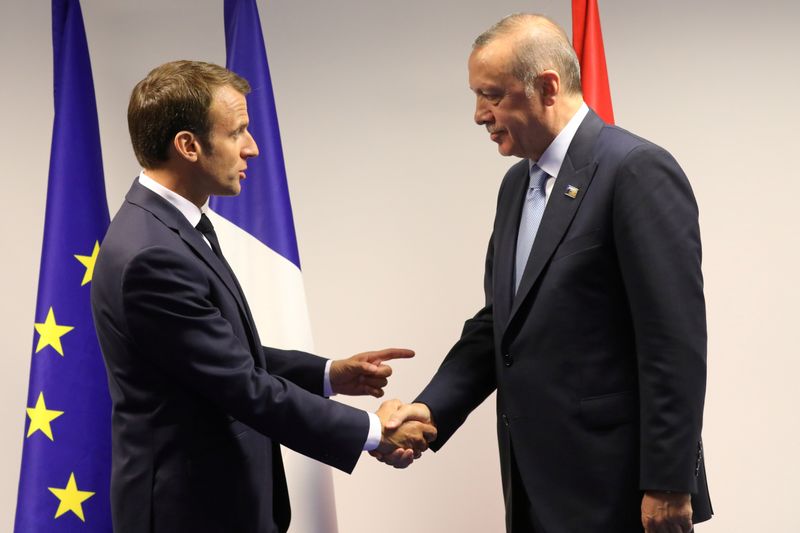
(199, 406)
(593, 333)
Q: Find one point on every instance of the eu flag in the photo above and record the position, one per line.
(66, 456)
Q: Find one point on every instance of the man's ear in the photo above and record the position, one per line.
(549, 85)
(187, 146)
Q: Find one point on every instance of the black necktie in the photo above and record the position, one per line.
(207, 229)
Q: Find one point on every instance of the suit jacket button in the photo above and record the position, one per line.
(505, 419)
(507, 359)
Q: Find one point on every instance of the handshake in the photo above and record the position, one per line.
(406, 431)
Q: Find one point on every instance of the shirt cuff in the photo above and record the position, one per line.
(327, 390)
(375, 429)
(375, 433)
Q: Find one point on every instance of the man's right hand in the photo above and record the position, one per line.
(667, 512)
(407, 430)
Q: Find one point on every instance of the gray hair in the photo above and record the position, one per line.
(540, 45)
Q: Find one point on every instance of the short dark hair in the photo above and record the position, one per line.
(174, 97)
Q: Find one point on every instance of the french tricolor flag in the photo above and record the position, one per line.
(256, 230)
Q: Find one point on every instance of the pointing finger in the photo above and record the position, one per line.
(391, 353)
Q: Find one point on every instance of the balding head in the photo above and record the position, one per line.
(538, 44)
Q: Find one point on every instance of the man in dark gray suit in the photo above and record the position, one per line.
(593, 333)
(199, 406)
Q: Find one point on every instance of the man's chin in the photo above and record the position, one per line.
(226, 193)
(505, 150)
(232, 190)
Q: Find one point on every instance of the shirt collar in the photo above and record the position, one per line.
(554, 156)
(187, 208)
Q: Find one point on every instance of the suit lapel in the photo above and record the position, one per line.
(245, 307)
(173, 219)
(576, 173)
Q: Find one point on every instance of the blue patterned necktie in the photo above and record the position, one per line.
(532, 213)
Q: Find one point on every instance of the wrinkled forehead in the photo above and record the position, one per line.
(228, 103)
(495, 55)
(490, 64)
(227, 96)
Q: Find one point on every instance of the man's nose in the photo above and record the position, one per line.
(482, 113)
(251, 148)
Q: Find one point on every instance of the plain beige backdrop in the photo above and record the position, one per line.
(394, 189)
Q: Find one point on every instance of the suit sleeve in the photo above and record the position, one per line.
(464, 380)
(169, 314)
(303, 369)
(658, 246)
(466, 377)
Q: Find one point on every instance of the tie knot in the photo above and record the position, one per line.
(205, 226)
(538, 177)
(207, 229)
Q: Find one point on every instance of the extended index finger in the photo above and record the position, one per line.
(388, 354)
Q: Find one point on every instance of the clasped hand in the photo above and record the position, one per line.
(666, 512)
(407, 430)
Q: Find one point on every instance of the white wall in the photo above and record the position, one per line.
(394, 189)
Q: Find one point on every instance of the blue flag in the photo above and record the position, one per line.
(256, 232)
(66, 455)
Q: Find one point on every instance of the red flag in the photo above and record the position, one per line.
(587, 38)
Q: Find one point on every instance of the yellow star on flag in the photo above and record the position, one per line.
(41, 417)
(88, 261)
(50, 333)
(71, 498)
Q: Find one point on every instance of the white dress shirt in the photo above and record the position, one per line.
(552, 158)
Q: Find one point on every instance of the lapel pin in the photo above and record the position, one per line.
(571, 191)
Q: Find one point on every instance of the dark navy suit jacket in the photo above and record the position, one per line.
(199, 406)
(599, 360)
